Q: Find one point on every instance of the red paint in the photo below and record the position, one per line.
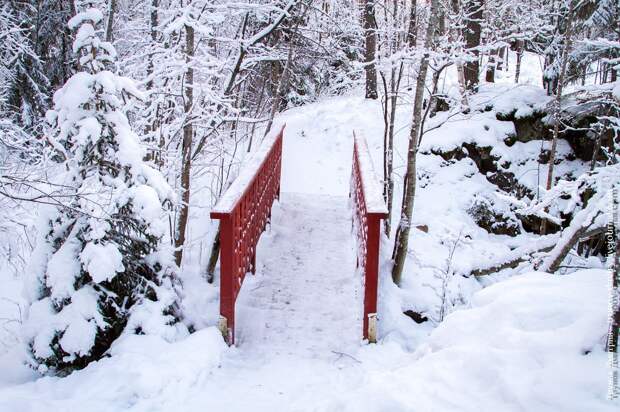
(240, 230)
(368, 233)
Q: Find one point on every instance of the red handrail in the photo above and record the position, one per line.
(244, 211)
(369, 209)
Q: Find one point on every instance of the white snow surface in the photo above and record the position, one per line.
(533, 342)
(102, 261)
(373, 192)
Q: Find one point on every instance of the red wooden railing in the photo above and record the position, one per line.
(369, 208)
(244, 211)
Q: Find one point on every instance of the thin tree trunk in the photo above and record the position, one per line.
(460, 70)
(558, 105)
(431, 107)
(473, 31)
(519, 57)
(385, 107)
(370, 34)
(401, 242)
(490, 75)
(258, 111)
(109, 35)
(388, 143)
(388, 147)
(500, 58)
(157, 157)
(188, 132)
(281, 88)
(412, 30)
(215, 253)
(154, 21)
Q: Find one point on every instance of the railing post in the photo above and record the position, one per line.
(371, 277)
(227, 280)
(369, 209)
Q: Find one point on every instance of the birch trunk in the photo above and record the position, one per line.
(401, 242)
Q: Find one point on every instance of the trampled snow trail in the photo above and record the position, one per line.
(306, 297)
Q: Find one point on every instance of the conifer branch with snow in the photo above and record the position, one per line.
(104, 267)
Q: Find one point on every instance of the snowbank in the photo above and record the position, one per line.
(534, 342)
(141, 369)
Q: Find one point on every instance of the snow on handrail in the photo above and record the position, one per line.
(373, 192)
(247, 174)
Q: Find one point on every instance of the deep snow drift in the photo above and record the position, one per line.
(532, 342)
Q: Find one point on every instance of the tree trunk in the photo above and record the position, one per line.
(392, 101)
(460, 70)
(370, 34)
(500, 58)
(282, 84)
(188, 134)
(412, 30)
(388, 143)
(154, 21)
(558, 104)
(108, 29)
(213, 257)
(473, 30)
(153, 155)
(431, 107)
(490, 75)
(401, 242)
(519, 57)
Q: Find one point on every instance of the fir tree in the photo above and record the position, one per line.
(105, 266)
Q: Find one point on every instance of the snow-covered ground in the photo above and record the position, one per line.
(532, 342)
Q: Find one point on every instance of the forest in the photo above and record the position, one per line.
(493, 127)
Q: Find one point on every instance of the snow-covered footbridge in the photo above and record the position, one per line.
(309, 266)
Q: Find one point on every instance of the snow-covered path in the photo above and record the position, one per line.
(299, 319)
(306, 269)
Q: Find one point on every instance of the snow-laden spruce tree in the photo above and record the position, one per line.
(105, 266)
